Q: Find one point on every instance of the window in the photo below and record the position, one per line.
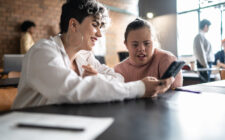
(206, 3)
(186, 32)
(214, 35)
(189, 14)
(223, 23)
(185, 5)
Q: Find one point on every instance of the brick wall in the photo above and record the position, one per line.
(46, 15)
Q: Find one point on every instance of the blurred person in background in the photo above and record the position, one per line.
(26, 40)
(219, 56)
(203, 51)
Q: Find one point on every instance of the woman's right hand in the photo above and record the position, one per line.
(154, 86)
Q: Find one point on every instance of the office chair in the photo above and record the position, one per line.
(101, 59)
(222, 74)
(123, 55)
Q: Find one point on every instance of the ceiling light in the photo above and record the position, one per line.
(150, 15)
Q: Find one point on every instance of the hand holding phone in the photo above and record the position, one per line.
(173, 69)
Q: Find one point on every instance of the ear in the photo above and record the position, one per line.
(125, 43)
(73, 24)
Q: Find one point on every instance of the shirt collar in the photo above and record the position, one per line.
(57, 39)
(201, 32)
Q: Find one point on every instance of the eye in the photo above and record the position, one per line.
(95, 25)
(147, 43)
(102, 25)
(135, 45)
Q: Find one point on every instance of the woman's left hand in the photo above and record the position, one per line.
(89, 70)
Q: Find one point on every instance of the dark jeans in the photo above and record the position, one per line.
(205, 75)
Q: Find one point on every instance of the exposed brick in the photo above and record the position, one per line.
(14, 12)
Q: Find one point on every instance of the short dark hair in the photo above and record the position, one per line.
(141, 23)
(80, 9)
(26, 25)
(203, 23)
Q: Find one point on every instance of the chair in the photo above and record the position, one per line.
(14, 74)
(7, 97)
(123, 55)
(12, 62)
(101, 59)
(222, 74)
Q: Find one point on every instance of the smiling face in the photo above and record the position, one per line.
(90, 29)
(140, 45)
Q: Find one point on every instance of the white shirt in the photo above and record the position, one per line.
(203, 50)
(47, 78)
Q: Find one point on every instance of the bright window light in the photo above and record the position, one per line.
(189, 14)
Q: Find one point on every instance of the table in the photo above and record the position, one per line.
(209, 69)
(174, 115)
(192, 77)
(9, 82)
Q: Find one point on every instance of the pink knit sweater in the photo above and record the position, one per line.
(155, 68)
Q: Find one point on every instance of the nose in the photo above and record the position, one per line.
(141, 47)
(99, 33)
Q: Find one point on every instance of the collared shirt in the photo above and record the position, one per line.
(47, 78)
(26, 42)
(203, 50)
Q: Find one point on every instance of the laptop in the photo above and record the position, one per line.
(12, 62)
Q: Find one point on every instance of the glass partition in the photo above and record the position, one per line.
(189, 14)
(213, 14)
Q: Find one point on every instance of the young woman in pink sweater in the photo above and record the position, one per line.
(145, 59)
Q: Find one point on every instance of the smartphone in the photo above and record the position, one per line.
(173, 69)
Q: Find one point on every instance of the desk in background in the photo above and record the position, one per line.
(8, 91)
(192, 77)
(9, 82)
(174, 115)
